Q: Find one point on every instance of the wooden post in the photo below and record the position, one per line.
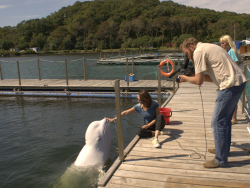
(1, 72)
(100, 55)
(66, 69)
(119, 120)
(38, 66)
(19, 76)
(159, 86)
(133, 65)
(244, 92)
(127, 73)
(84, 69)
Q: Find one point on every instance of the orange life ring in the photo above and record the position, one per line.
(171, 63)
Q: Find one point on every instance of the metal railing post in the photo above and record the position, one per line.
(178, 72)
(159, 86)
(127, 72)
(38, 67)
(84, 69)
(119, 120)
(19, 76)
(244, 92)
(1, 72)
(66, 69)
(167, 71)
(174, 84)
(132, 65)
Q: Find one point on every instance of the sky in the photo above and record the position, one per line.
(13, 12)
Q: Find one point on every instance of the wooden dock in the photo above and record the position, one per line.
(177, 163)
(78, 85)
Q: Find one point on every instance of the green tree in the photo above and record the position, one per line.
(178, 40)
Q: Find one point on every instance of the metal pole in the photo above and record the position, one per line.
(234, 32)
(1, 72)
(127, 73)
(174, 84)
(178, 72)
(167, 70)
(159, 86)
(100, 55)
(84, 69)
(38, 66)
(66, 69)
(119, 120)
(244, 92)
(19, 76)
(132, 65)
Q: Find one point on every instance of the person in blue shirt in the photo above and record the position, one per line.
(154, 122)
(228, 44)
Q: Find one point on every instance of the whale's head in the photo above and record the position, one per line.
(98, 144)
(98, 132)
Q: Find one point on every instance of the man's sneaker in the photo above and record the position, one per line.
(211, 151)
(165, 131)
(156, 143)
(211, 164)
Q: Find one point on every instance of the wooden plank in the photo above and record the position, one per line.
(169, 171)
(138, 182)
(129, 177)
(187, 166)
(233, 161)
(80, 83)
(207, 181)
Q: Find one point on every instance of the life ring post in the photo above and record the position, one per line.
(171, 63)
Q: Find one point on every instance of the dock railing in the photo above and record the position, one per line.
(81, 69)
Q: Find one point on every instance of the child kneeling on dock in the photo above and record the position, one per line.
(154, 122)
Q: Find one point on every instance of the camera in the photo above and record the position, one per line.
(188, 71)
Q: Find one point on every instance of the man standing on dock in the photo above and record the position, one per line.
(220, 69)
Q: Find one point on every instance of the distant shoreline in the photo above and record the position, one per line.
(15, 54)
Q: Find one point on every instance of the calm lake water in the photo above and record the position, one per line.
(41, 137)
(53, 67)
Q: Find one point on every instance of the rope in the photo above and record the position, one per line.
(195, 152)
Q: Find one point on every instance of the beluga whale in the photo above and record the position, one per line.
(97, 144)
(88, 166)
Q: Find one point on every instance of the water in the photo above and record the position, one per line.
(53, 67)
(41, 137)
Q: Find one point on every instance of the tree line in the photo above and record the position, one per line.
(114, 24)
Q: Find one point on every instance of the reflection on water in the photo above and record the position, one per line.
(41, 137)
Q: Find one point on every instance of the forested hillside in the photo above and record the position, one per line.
(109, 24)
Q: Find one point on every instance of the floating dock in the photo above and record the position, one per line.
(141, 60)
(178, 163)
(76, 88)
